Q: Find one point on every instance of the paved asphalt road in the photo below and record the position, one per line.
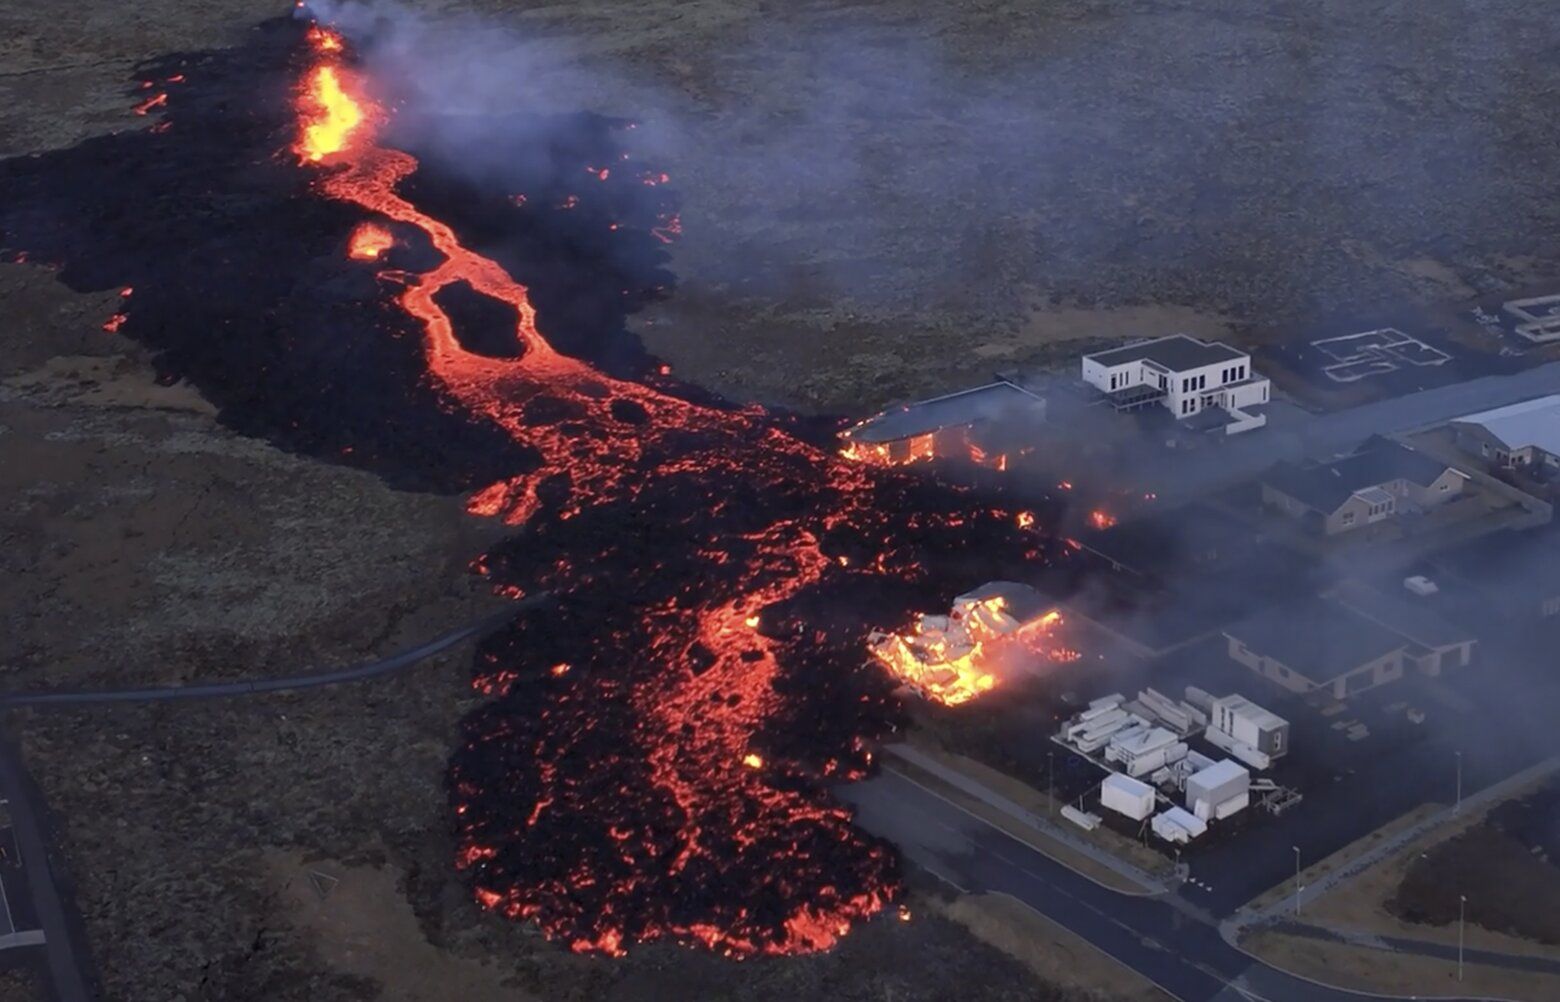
(286, 683)
(66, 957)
(1164, 939)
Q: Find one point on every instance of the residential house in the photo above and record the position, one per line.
(1525, 434)
(1330, 643)
(1183, 374)
(1383, 480)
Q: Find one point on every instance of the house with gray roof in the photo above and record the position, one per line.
(1383, 480)
(1345, 643)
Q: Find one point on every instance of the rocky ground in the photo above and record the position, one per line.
(1506, 868)
(879, 200)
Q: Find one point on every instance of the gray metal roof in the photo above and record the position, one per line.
(951, 411)
(1530, 423)
(1325, 486)
(1178, 353)
(1317, 637)
(1416, 622)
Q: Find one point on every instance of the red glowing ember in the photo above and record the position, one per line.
(1101, 519)
(155, 101)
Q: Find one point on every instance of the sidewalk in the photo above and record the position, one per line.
(1145, 882)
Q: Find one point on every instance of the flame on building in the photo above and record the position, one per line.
(955, 658)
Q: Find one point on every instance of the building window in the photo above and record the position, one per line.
(1348, 518)
(1186, 384)
(1113, 382)
(1264, 394)
(1444, 487)
(1241, 374)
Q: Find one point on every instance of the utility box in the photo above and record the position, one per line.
(1128, 796)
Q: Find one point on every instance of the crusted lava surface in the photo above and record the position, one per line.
(654, 758)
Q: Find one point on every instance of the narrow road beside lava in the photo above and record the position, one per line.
(1182, 954)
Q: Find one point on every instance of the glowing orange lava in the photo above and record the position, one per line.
(714, 714)
(330, 114)
(155, 101)
(1101, 519)
(953, 659)
(369, 242)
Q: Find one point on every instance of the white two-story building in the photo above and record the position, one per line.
(1184, 374)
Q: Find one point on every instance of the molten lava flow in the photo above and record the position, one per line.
(954, 658)
(681, 830)
(331, 116)
(1101, 519)
(369, 242)
(323, 40)
(155, 101)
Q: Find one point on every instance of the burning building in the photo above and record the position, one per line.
(988, 634)
(946, 427)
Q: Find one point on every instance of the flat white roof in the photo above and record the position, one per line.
(1176, 353)
(1219, 772)
(1243, 707)
(1184, 819)
(1146, 741)
(1127, 785)
(1533, 422)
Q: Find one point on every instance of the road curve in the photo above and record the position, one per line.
(1160, 937)
(307, 680)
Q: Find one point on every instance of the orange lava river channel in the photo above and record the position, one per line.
(694, 795)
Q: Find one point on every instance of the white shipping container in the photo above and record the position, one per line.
(1217, 783)
(1233, 805)
(1128, 796)
(1176, 825)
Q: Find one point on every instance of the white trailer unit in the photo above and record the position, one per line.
(1240, 750)
(1234, 805)
(1177, 825)
(1210, 789)
(1183, 718)
(1128, 796)
(1251, 725)
(1144, 750)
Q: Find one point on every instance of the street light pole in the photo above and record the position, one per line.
(1462, 908)
(1297, 881)
(1457, 807)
